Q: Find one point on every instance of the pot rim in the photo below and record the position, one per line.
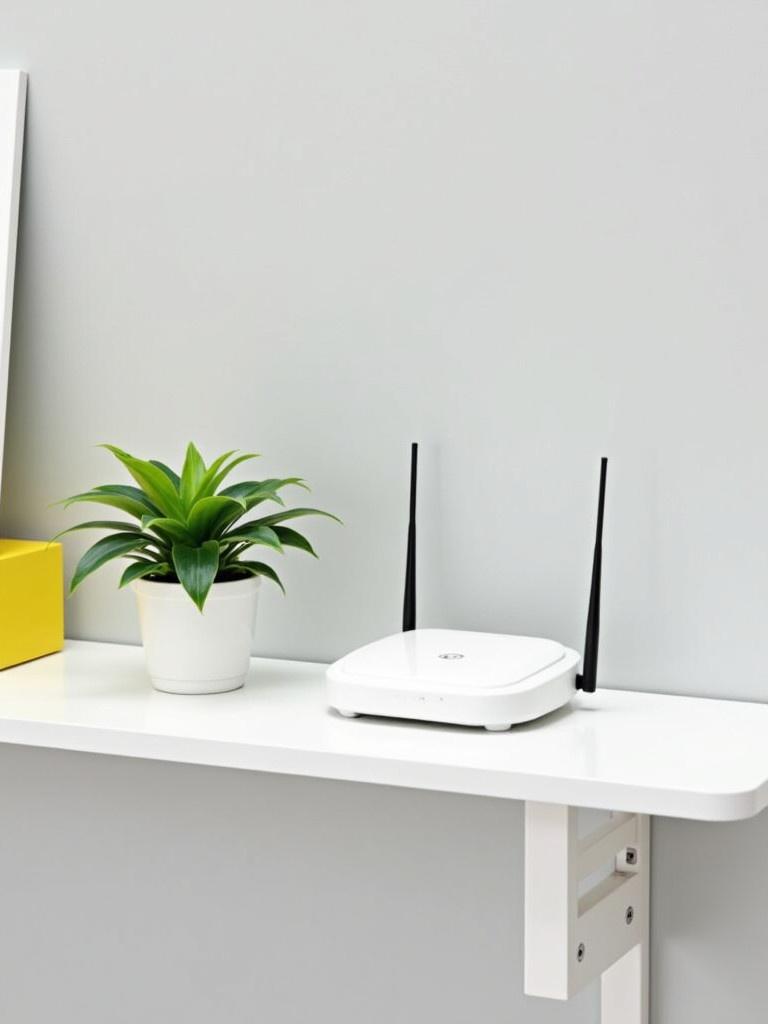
(175, 591)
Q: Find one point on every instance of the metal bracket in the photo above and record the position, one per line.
(586, 909)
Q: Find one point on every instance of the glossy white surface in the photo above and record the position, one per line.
(449, 660)
(455, 677)
(678, 756)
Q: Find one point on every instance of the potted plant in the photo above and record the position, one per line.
(189, 547)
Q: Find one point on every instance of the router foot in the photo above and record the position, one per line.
(498, 728)
(347, 714)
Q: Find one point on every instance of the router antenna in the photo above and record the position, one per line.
(409, 600)
(587, 678)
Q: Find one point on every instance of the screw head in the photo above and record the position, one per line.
(580, 952)
(629, 917)
(631, 856)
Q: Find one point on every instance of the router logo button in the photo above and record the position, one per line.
(450, 656)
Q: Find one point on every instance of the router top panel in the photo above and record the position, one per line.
(444, 659)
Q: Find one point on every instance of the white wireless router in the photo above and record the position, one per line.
(448, 675)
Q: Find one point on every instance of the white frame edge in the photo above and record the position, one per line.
(13, 101)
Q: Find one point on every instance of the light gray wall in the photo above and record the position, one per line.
(245, 897)
(525, 234)
(136, 891)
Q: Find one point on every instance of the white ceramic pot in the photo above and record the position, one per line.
(189, 651)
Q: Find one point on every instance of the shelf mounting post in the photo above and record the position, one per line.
(587, 909)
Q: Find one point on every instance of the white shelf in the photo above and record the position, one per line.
(624, 751)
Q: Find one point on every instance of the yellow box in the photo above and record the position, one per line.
(31, 600)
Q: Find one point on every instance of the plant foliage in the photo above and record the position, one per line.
(185, 527)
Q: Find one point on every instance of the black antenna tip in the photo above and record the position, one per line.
(587, 679)
(409, 599)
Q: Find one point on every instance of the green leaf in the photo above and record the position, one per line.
(226, 470)
(172, 475)
(113, 546)
(253, 533)
(255, 491)
(217, 471)
(128, 499)
(209, 516)
(141, 568)
(279, 517)
(152, 480)
(251, 492)
(158, 536)
(174, 529)
(289, 481)
(196, 568)
(292, 539)
(259, 569)
(192, 474)
(100, 524)
(205, 489)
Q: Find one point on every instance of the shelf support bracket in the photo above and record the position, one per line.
(587, 909)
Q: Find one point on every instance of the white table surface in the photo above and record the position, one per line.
(679, 756)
